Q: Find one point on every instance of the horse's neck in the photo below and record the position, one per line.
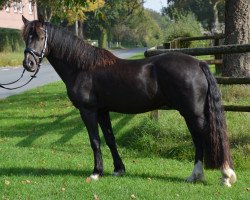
(62, 68)
(58, 59)
(72, 55)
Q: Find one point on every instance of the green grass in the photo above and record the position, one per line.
(11, 59)
(45, 153)
(137, 56)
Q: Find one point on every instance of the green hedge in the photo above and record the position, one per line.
(10, 40)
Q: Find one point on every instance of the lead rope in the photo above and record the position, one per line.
(32, 77)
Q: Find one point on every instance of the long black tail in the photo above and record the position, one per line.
(216, 147)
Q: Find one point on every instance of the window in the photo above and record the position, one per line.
(20, 7)
(7, 7)
(15, 6)
(30, 7)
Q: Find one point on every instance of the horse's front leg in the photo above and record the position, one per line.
(90, 120)
(105, 123)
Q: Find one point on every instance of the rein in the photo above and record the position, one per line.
(35, 54)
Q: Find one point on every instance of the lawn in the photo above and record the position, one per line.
(45, 153)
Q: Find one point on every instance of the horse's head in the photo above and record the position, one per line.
(35, 37)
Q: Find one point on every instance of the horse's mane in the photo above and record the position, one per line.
(66, 46)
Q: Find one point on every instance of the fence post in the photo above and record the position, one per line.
(168, 45)
(217, 57)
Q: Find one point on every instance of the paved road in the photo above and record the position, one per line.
(46, 74)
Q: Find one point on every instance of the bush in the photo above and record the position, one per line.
(184, 24)
(10, 40)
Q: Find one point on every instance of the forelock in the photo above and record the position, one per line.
(34, 26)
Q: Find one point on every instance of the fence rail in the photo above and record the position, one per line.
(233, 80)
(206, 37)
(223, 49)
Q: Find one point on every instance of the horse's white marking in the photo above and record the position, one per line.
(197, 174)
(228, 175)
(95, 177)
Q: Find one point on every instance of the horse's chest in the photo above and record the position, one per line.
(81, 93)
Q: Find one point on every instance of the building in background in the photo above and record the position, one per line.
(11, 14)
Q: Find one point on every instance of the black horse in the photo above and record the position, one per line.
(97, 82)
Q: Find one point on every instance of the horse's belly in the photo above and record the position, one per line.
(132, 105)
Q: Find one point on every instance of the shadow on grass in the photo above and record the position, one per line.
(58, 126)
(29, 171)
(148, 139)
(41, 172)
(240, 140)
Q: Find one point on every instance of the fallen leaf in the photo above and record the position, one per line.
(149, 179)
(248, 189)
(63, 189)
(6, 182)
(88, 180)
(26, 182)
(96, 197)
(133, 196)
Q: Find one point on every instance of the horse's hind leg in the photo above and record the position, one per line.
(105, 123)
(198, 128)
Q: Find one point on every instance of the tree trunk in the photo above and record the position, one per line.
(80, 30)
(103, 38)
(216, 27)
(237, 31)
(76, 28)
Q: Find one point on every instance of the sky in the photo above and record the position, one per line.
(155, 5)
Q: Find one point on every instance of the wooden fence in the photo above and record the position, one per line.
(217, 51)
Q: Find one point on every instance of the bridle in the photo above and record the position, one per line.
(35, 54)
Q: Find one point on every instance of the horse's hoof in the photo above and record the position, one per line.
(195, 178)
(119, 173)
(95, 177)
(226, 182)
(190, 179)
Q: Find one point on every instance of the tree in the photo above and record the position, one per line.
(114, 12)
(208, 12)
(237, 31)
(185, 24)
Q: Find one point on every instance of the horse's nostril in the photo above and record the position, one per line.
(31, 64)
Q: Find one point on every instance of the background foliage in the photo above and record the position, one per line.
(125, 23)
(10, 40)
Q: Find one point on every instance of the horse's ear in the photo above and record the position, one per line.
(25, 21)
(41, 19)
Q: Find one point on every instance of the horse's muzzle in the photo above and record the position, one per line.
(29, 64)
